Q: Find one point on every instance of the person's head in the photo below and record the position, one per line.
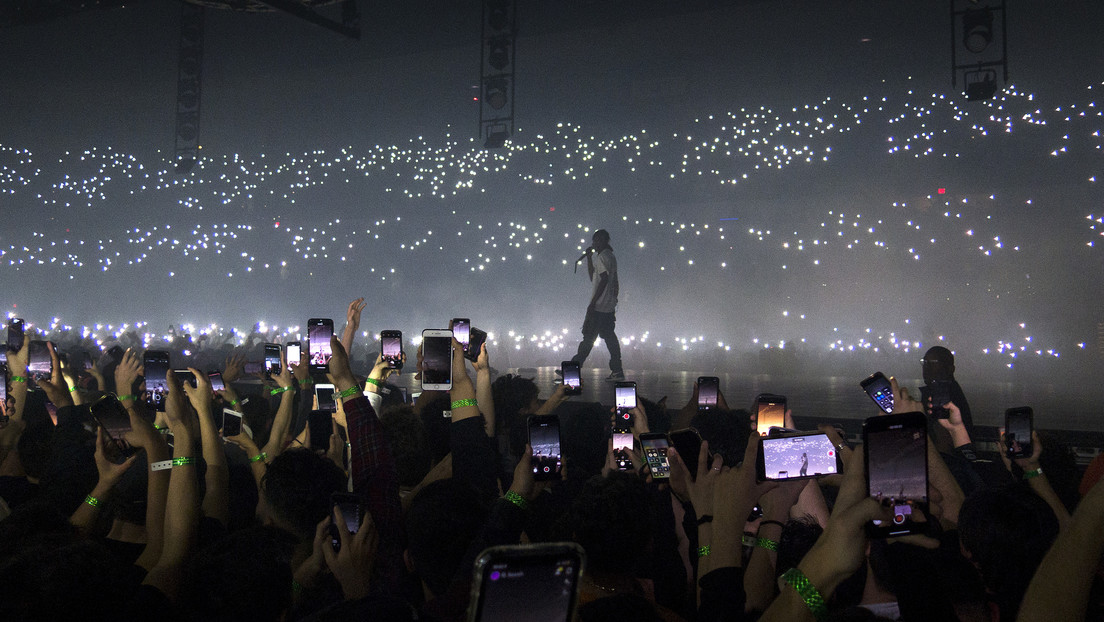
(296, 489)
(435, 424)
(600, 240)
(246, 575)
(407, 438)
(726, 431)
(34, 449)
(1005, 532)
(611, 518)
(938, 364)
(442, 521)
(515, 398)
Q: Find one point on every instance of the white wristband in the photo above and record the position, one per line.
(161, 466)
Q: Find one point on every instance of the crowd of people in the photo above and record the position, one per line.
(164, 516)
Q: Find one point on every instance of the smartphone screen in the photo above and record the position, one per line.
(294, 353)
(437, 360)
(544, 438)
(272, 359)
(541, 580)
(155, 363)
(3, 389)
(391, 348)
(475, 344)
(1017, 432)
(897, 469)
(625, 401)
(940, 393)
(86, 360)
(770, 413)
(572, 380)
(15, 334)
(351, 509)
(655, 452)
(879, 389)
(319, 332)
(231, 422)
(39, 364)
(216, 381)
(185, 377)
(325, 394)
(797, 456)
(110, 414)
(687, 443)
(708, 388)
(321, 427)
(622, 447)
(461, 329)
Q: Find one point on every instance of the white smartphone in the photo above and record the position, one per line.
(436, 360)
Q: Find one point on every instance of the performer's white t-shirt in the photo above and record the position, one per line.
(605, 262)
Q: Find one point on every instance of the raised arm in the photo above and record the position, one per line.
(352, 323)
(109, 473)
(483, 393)
(277, 438)
(17, 367)
(216, 498)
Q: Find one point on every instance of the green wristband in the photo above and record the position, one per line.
(516, 499)
(767, 543)
(259, 457)
(373, 381)
(353, 390)
(123, 398)
(463, 403)
(92, 501)
(280, 390)
(15, 378)
(73, 389)
(305, 381)
(183, 460)
(807, 591)
(704, 551)
(1032, 474)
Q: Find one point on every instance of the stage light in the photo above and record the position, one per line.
(977, 29)
(495, 93)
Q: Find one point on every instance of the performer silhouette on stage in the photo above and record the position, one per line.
(600, 318)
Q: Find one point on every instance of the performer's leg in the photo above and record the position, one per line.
(590, 333)
(606, 323)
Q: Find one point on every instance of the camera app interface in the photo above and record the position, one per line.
(571, 378)
(156, 366)
(897, 463)
(392, 348)
(545, 440)
(1017, 435)
(798, 456)
(436, 360)
(319, 336)
(38, 360)
(625, 399)
(707, 393)
(542, 589)
(461, 329)
(272, 359)
(771, 415)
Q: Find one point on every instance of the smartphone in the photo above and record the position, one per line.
(231, 422)
(796, 456)
(475, 344)
(216, 381)
(461, 330)
(272, 362)
(877, 386)
(940, 393)
(185, 377)
(86, 360)
(351, 508)
(622, 446)
(321, 427)
(544, 438)
(319, 332)
(15, 334)
(294, 353)
(436, 360)
(687, 443)
(1018, 424)
(624, 400)
(115, 354)
(155, 363)
(391, 348)
(111, 415)
(572, 380)
(3, 391)
(39, 363)
(708, 389)
(325, 394)
(770, 412)
(897, 469)
(539, 580)
(655, 446)
(252, 368)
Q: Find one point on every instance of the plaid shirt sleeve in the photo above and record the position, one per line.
(377, 482)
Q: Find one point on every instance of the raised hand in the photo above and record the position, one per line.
(55, 388)
(353, 563)
(126, 374)
(235, 367)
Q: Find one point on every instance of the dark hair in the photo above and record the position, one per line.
(297, 487)
(442, 521)
(407, 438)
(798, 537)
(726, 431)
(612, 519)
(246, 575)
(436, 426)
(1007, 531)
(512, 395)
(34, 448)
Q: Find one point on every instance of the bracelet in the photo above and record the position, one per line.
(767, 543)
(463, 403)
(772, 522)
(1033, 473)
(703, 551)
(233, 402)
(92, 501)
(516, 499)
(73, 389)
(373, 381)
(161, 466)
(353, 390)
(279, 390)
(259, 457)
(305, 381)
(748, 541)
(808, 593)
(705, 518)
(183, 460)
(15, 378)
(123, 398)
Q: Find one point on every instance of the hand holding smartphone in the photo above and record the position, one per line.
(878, 387)
(709, 388)
(319, 333)
(272, 362)
(391, 348)
(770, 412)
(352, 511)
(798, 455)
(1019, 423)
(896, 456)
(155, 364)
(572, 378)
(540, 581)
(544, 438)
(625, 402)
(437, 360)
(231, 422)
(655, 445)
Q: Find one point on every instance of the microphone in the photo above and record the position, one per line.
(586, 253)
